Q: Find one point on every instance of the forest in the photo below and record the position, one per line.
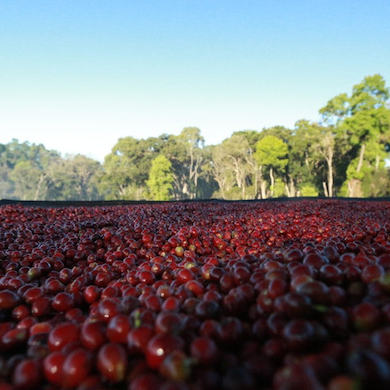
(345, 154)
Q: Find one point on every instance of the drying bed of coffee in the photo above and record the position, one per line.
(284, 295)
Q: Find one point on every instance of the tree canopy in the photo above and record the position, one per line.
(160, 179)
(345, 154)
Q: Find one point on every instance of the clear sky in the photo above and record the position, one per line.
(76, 75)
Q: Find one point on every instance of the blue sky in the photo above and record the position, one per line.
(76, 75)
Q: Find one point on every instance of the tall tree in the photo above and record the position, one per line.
(193, 143)
(27, 165)
(222, 171)
(272, 153)
(302, 167)
(127, 167)
(6, 185)
(74, 178)
(361, 120)
(175, 151)
(318, 146)
(255, 170)
(160, 179)
(232, 160)
(26, 177)
(289, 174)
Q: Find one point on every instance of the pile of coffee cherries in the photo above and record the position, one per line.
(281, 295)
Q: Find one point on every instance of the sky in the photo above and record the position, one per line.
(77, 75)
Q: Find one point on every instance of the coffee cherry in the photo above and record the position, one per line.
(112, 362)
(53, 367)
(118, 329)
(93, 334)
(299, 334)
(27, 375)
(366, 317)
(204, 350)
(62, 335)
(181, 296)
(8, 299)
(76, 367)
(160, 346)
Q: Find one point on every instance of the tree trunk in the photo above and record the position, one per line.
(330, 181)
(195, 164)
(256, 184)
(222, 191)
(263, 188)
(377, 160)
(326, 192)
(287, 190)
(329, 161)
(293, 191)
(355, 188)
(185, 190)
(219, 179)
(195, 192)
(38, 189)
(361, 156)
(355, 185)
(121, 189)
(271, 175)
(260, 182)
(238, 173)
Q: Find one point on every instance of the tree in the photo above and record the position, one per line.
(24, 168)
(255, 170)
(290, 172)
(221, 171)
(74, 178)
(231, 164)
(127, 167)
(361, 120)
(175, 151)
(84, 170)
(303, 166)
(6, 185)
(324, 142)
(344, 154)
(26, 179)
(188, 156)
(206, 185)
(160, 179)
(193, 143)
(272, 153)
(318, 147)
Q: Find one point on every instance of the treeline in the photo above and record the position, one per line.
(343, 155)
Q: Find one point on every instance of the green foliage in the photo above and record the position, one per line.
(25, 176)
(75, 178)
(376, 183)
(31, 172)
(187, 159)
(128, 165)
(271, 151)
(279, 132)
(344, 155)
(335, 109)
(160, 179)
(231, 194)
(252, 136)
(279, 188)
(307, 189)
(231, 164)
(361, 121)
